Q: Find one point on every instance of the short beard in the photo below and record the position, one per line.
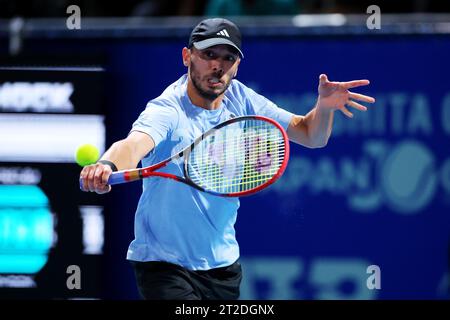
(208, 95)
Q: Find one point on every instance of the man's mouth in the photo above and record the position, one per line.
(214, 81)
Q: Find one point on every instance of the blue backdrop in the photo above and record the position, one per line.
(366, 217)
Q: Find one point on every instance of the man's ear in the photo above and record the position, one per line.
(235, 72)
(186, 54)
(237, 68)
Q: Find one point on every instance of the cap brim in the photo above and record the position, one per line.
(201, 45)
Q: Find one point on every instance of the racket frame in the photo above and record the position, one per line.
(140, 173)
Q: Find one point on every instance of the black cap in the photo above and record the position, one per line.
(211, 32)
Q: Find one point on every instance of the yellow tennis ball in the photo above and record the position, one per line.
(87, 154)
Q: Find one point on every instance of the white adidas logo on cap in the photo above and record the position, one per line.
(224, 33)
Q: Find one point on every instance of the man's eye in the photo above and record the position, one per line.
(231, 58)
(209, 54)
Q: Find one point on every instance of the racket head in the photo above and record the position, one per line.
(239, 157)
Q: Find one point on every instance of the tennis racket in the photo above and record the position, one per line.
(238, 157)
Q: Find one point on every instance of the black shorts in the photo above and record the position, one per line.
(157, 280)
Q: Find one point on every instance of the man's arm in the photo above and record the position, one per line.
(124, 154)
(314, 129)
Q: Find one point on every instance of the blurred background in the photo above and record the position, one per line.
(367, 217)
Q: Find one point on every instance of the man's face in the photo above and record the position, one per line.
(212, 69)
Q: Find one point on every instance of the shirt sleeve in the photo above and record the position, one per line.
(262, 106)
(158, 120)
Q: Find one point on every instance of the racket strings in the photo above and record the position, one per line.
(238, 157)
(248, 173)
(256, 154)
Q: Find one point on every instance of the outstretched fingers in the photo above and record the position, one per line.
(356, 105)
(361, 97)
(345, 111)
(323, 78)
(355, 83)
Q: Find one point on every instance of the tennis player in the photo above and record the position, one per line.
(185, 245)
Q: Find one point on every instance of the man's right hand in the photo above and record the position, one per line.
(95, 178)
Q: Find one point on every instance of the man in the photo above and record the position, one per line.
(185, 245)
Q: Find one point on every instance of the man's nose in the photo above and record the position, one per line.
(217, 66)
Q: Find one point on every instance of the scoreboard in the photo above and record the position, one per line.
(51, 233)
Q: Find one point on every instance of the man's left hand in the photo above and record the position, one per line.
(336, 95)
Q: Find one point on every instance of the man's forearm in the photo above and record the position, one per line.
(121, 154)
(319, 123)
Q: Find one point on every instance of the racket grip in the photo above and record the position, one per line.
(114, 178)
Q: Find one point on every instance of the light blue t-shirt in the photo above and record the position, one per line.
(175, 222)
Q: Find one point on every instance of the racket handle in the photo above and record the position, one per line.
(114, 178)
